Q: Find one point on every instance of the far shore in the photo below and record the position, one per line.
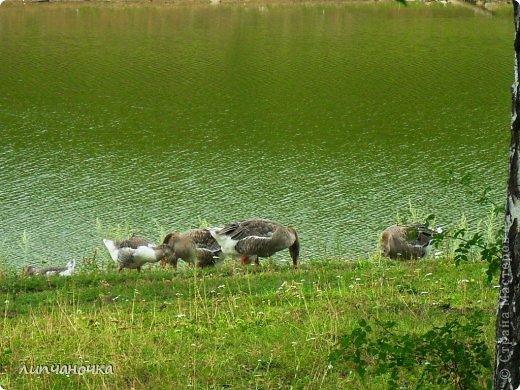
(477, 5)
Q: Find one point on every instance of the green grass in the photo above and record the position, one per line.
(224, 328)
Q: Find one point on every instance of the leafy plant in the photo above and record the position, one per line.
(453, 354)
(488, 248)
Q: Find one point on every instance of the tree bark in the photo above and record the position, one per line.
(507, 359)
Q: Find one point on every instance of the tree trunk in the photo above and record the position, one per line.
(507, 360)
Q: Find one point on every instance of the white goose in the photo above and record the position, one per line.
(135, 252)
(49, 271)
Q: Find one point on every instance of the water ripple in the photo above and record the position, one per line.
(158, 119)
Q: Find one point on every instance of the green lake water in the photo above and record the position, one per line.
(331, 118)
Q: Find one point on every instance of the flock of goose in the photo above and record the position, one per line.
(247, 240)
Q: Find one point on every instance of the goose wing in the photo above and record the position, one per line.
(52, 270)
(135, 242)
(422, 234)
(256, 245)
(250, 228)
(203, 239)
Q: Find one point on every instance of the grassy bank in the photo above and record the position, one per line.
(225, 328)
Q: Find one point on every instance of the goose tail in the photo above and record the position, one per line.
(214, 231)
(112, 249)
(226, 243)
(71, 265)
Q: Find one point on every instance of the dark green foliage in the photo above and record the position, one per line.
(5, 355)
(454, 355)
(489, 250)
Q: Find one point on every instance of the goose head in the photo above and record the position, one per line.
(30, 270)
(170, 243)
(165, 253)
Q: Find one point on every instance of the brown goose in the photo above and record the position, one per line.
(135, 252)
(254, 238)
(195, 246)
(411, 241)
(61, 271)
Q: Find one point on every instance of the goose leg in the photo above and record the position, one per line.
(257, 262)
(243, 261)
(119, 268)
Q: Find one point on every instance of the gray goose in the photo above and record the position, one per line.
(61, 271)
(195, 246)
(254, 238)
(135, 252)
(410, 241)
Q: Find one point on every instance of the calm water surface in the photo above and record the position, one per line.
(329, 118)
